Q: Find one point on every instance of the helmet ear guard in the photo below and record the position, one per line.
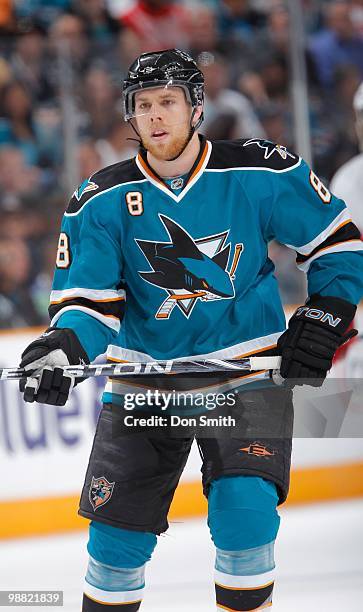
(199, 121)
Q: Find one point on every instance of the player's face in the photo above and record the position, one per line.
(163, 120)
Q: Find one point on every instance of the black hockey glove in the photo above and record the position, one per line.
(45, 356)
(315, 332)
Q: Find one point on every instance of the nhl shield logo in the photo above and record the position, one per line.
(100, 491)
(177, 183)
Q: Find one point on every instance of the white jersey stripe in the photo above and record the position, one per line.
(111, 322)
(353, 245)
(97, 295)
(237, 350)
(305, 249)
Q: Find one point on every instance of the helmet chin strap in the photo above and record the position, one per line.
(192, 129)
(138, 139)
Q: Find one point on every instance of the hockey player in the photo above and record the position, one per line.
(165, 256)
(347, 182)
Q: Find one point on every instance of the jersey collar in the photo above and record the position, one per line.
(195, 172)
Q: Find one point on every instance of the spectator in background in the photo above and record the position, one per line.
(116, 147)
(17, 177)
(222, 127)
(338, 44)
(34, 130)
(238, 21)
(100, 25)
(16, 304)
(266, 79)
(5, 76)
(98, 102)
(203, 33)
(7, 18)
(273, 39)
(28, 61)
(333, 135)
(68, 34)
(268, 88)
(342, 117)
(21, 223)
(220, 99)
(42, 283)
(273, 120)
(347, 183)
(158, 24)
(48, 128)
(274, 74)
(238, 24)
(128, 47)
(30, 221)
(356, 13)
(89, 159)
(16, 123)
(45, 11)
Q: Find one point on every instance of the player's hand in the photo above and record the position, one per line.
(315, 332)
(44, 358)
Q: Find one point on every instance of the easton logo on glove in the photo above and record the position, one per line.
(314, 313)
(315, 331)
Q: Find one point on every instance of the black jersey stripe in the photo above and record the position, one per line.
(115, 308)
(228, 154)
(347, 232)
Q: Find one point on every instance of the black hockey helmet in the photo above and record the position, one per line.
(169, 68)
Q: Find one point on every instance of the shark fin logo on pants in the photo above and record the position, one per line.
(189, 269)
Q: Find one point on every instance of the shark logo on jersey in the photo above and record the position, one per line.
(269, 147)
(189, 269)
(86, 186)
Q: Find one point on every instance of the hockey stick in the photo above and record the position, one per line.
(157, 368)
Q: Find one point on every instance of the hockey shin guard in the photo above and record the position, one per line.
(243, 522)
(121, 588)
(243, 589)
(116, 570)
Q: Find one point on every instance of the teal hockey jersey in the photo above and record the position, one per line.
(152, 269)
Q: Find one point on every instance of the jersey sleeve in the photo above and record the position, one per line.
(306, 217)
(88, 295)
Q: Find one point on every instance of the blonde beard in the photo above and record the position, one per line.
(166, 152)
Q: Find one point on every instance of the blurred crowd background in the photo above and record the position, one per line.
(61, 67)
